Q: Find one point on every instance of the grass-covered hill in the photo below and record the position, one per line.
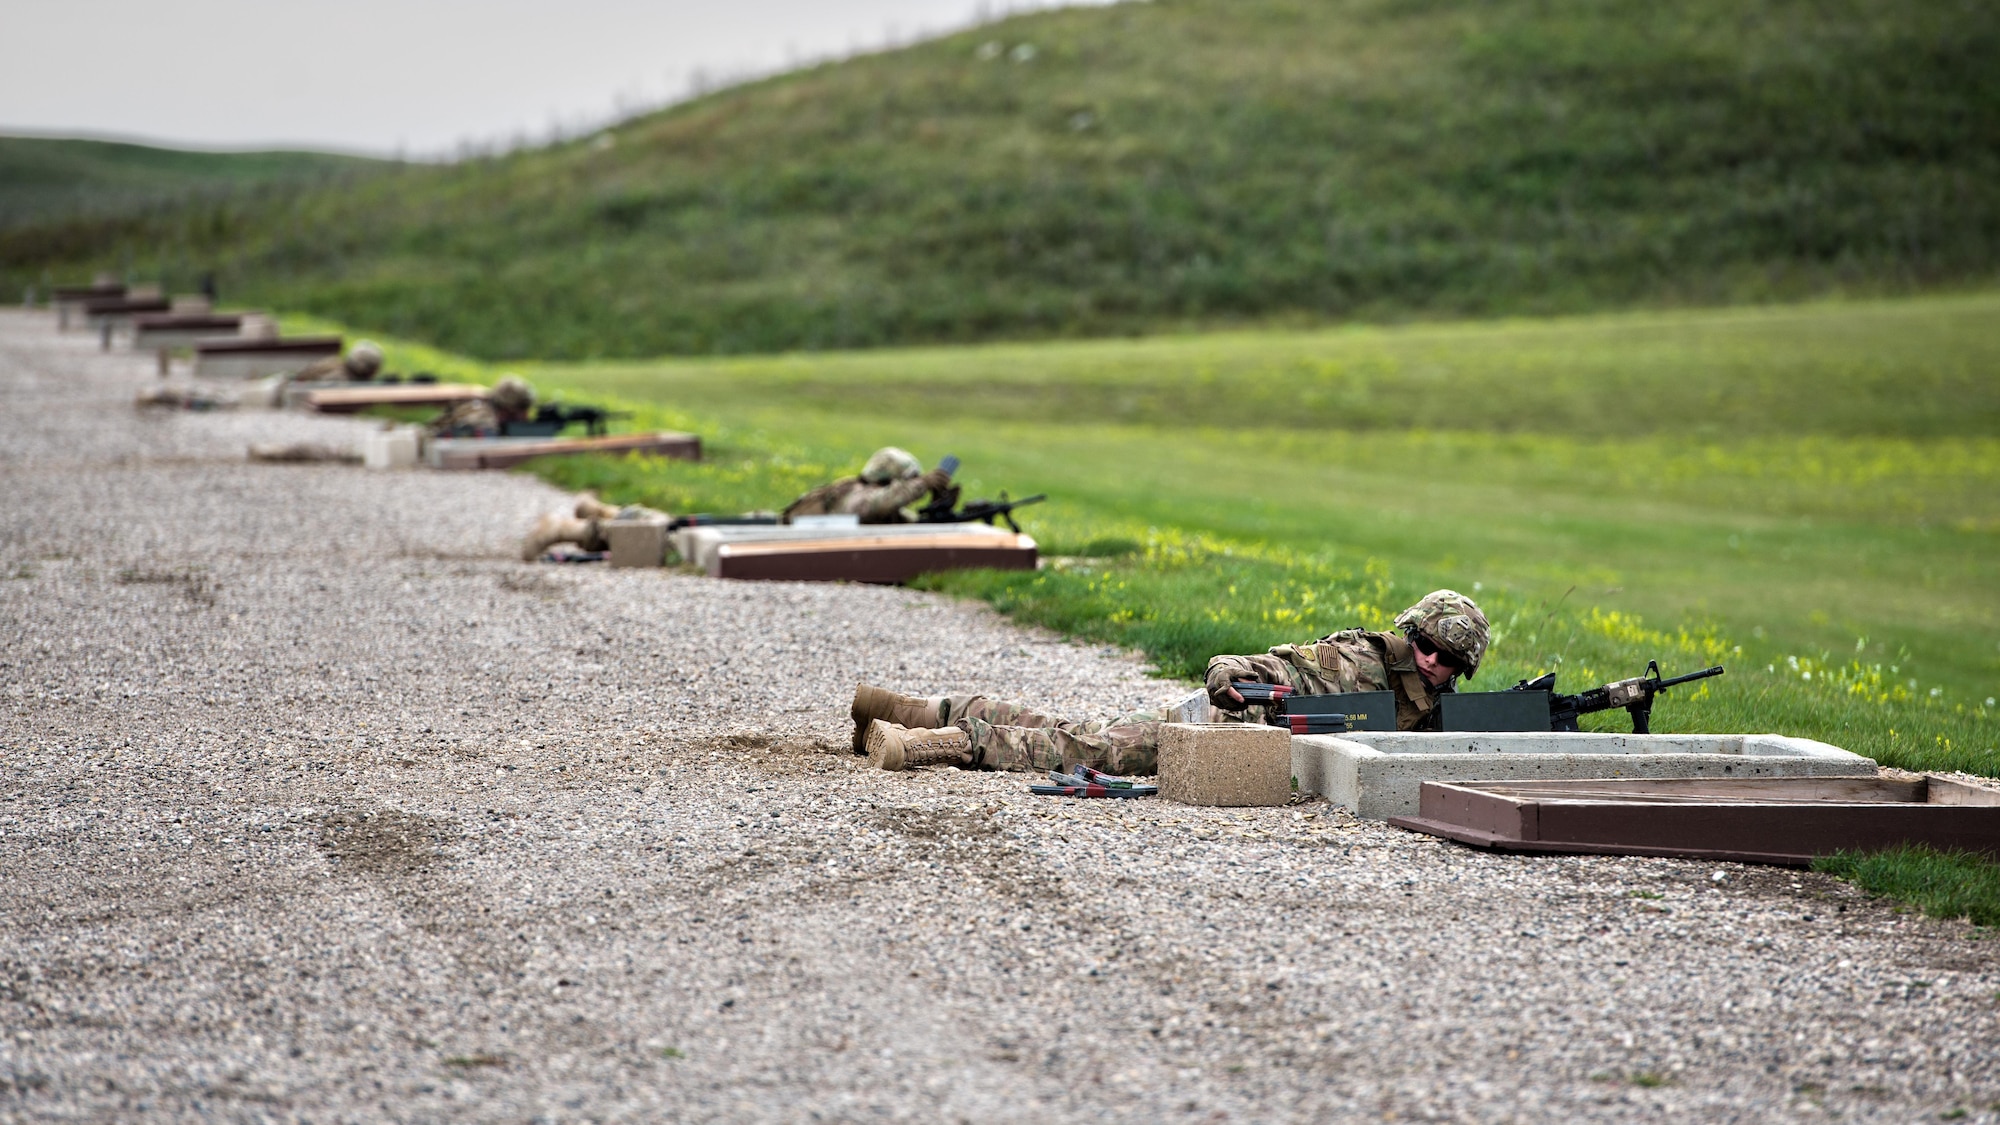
(1145, 165)
(44, 179)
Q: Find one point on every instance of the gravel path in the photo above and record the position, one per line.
(318, 806)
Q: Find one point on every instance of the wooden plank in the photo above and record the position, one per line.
(507, 452)
(288, 346)
(1951, 791)
(1494, 842)
(1774, 820)
(1701, 788)
(125, 306)
(754, 548)
(347, 400)
(888, 561)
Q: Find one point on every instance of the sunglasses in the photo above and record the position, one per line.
(1443, 656)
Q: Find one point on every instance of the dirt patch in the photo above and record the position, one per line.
(532, 582)
(385, 841)
(948, 826)
(192, 583)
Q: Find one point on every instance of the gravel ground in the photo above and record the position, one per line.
(319, 806)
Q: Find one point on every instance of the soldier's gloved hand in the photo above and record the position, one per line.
(936, 480)
(1219, 692)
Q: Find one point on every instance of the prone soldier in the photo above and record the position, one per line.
(510, 400)
(891, 481)
(1433, 642)
(362, 362)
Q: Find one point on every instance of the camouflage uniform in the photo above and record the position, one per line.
(510, 400)
(1008, 736)
(891, 481)
(359, 365)
(874, 503)
(1350, 660)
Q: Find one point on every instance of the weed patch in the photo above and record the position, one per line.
(1941, 884)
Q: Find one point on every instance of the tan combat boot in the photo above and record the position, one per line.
(900, 748)
(589, 507)
(551, 530)
(871, 703)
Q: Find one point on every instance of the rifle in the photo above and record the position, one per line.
(982, 511)
(1635, 695)
(943, 502)
(553, 418)
(1274, 696)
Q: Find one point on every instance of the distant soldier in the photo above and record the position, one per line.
(510, 400)
(361, 363)
(891, 481)
(1434, 641)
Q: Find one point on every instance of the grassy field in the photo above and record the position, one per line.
(1146, 166)
(1807, 494)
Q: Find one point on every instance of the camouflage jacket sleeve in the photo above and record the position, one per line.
(1350, 660)
(822, 500)
(884, 503)
(473, 414)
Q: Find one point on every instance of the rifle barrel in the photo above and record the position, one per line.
(1701, 675)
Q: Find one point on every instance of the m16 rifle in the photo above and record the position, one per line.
(1634, 695)
(552, 418)
(979, 511)
(944, 508)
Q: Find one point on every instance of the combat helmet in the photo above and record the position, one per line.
(1451, 621)
(891, 464)
(512, 394)
(363, 360)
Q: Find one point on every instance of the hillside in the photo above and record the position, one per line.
(45, 178)
(1152, 165)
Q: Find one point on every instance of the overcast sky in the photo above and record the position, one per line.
(415, 76)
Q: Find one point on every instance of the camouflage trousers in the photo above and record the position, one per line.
(1008, 736)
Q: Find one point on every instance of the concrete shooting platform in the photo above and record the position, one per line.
(112, 314)
(1380, 774)
(183, 330)
(69, 300)
(254, 357)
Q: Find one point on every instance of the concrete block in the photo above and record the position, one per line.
(1228, 764)
(390, 449)
(1381, 774)
(636, 542)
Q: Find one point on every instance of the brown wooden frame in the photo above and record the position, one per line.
(1765, 820)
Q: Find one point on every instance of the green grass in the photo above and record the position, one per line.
(1941, 884)
(1147, 166)
(1840, 559)
(44, 179)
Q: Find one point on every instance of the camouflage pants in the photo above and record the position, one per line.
(1008, 736)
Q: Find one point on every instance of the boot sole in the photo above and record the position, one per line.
(884, 752)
